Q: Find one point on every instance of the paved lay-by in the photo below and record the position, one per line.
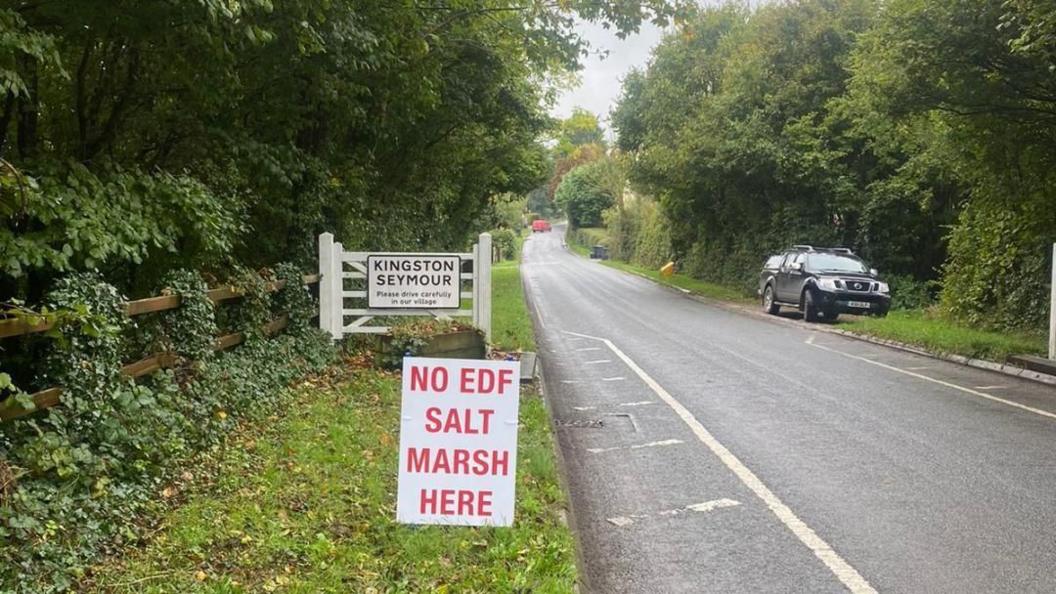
(709, 451)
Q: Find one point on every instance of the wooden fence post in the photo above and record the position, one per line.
(326, 280)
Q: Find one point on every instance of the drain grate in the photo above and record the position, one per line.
(580, 423)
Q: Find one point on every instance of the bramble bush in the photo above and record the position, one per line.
(81, 478)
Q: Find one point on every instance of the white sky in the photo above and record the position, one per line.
(601, 77)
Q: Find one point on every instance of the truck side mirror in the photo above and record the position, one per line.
(797, 266)
(874, 271)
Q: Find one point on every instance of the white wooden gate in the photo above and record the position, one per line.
(343, 305)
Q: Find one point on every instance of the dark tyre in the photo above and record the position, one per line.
(810, 310)
(832, 316)
(770, 305)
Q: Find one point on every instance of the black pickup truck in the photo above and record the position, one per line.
(822, 282)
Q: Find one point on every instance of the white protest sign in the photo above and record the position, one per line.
(413, 281)
(458, 442)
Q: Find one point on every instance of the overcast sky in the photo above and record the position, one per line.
(601, 77)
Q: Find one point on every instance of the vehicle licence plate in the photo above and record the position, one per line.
(859, 304)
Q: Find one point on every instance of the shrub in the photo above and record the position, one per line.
(506, 242)
(81, 477)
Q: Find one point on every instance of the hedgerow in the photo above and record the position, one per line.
(81, 479)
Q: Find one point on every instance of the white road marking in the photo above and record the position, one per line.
(598, 362)
(584, 349)
(919, 368)
(639, 403)
(990, 387)
(581, 408)
(569, 381)
(1036, 411)
(843, 571)
(702, 507)
(651, 444)
(613, 379)
(710, 505)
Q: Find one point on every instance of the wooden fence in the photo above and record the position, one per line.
(50, 397)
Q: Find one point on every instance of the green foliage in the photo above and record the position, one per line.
(937, 333)
(875, 126)
(578, 129)
(86, 471)
(88, 358)
(189, 330)
(506, 242)
(586, 192)
(313, 491)
(294, 299)
(909, 293)
(253, 309)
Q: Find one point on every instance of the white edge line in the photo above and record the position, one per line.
(843, 571)
(1036, 411)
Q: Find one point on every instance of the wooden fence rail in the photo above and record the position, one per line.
(50, 397)
(18, 327)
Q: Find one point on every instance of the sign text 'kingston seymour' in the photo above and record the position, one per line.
(413, 281)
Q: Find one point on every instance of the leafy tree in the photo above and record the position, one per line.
(585, 193)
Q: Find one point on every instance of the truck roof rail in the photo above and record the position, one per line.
(840, 250)
(809, 248)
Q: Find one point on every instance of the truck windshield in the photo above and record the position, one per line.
(835, 263)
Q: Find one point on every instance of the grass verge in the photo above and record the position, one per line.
(308, 504)
(308, 507)
(938, 334)
(925, 329)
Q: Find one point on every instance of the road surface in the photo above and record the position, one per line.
(711, 451)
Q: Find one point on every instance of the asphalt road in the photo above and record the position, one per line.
(711, 451)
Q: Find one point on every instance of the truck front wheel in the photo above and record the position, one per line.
(810, 310)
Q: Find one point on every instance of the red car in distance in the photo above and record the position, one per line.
(540, 225)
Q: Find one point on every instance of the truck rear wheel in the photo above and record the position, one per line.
(770, 305)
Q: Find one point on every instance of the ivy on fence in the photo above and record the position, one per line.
(77, 480)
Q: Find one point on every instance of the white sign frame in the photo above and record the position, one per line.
(458, 442)
(343, 307)
(410, 291)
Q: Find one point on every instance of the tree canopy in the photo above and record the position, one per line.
(919, 133)
(141, 135)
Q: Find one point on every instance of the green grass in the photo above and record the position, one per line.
(309, 507)
(682, 281)
(939, 334)
(928, 330)
(511, 328)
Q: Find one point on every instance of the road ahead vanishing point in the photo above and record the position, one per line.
(711, 451)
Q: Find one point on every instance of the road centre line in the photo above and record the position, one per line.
(651, 444)
(843, 571)
(1036, 411)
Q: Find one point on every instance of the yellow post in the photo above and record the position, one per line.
(667, 269)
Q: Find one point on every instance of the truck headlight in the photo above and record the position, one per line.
(883, 288)
(829, 284)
